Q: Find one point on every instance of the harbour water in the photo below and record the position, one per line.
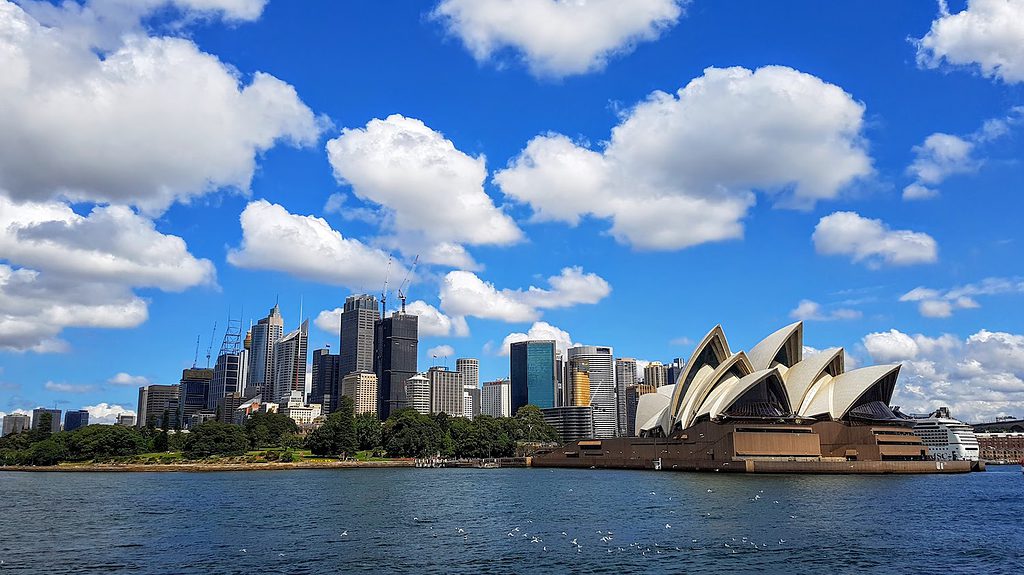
(510, 520)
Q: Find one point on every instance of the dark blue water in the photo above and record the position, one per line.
(509, 520)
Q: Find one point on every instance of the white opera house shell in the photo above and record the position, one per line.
(773, 382)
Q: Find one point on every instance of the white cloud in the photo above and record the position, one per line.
(554, 37)
(464, 294)
(329, 320)
(979, 377)
(306, 247)
(122, 378)
(681, 341)
(916, 191)
(871, 241)
(105, 413)
(988, 34)
(431, 194)
(433, 323)
(540, 330)
(942, 303)
(680, 169)
(441, 351)
(813, 311)
(153, 121)
(68, 387)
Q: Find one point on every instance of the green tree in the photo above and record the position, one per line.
(161, 443)
(408, 433)
(337, 436)
(99, 441)
(269, 429)
(368, 432)
(44, 428)
(532, 427)
(47, 452)
(215, 438)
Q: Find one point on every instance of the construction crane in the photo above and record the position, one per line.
(209, 348)
(195, 359)
(405, 282)
(384, 290)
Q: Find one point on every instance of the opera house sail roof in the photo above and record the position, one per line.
(773, 381)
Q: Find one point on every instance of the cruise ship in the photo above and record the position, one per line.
(947, 439)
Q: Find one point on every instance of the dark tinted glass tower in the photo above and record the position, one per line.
(358, 319)
(395, 350)
(76, 420)
(532, 367)
(226, 379)
(193, 391)
(325, 381)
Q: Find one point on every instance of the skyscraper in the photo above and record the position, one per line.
(417, 393)
(601, 371)
(361, 386)
(396, 339)
(633, 393)
(675, 369)
(154, 402)
(625, 376)
(470, 370)
(532, 367)
(75, 419)
(193, 391)
(446, 391)
(579, 382)
(358, 318)
(290, 357)
(326, 383)
(656, 374)
(228, 371)
(496, 398)
(265, 334)
(37, 415)
(16, 423)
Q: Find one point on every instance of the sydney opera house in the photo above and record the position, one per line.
(767, 410)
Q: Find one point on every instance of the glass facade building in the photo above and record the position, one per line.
(76, 420)
(395, 353)
(532, 367)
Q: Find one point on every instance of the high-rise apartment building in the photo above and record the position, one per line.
(290, 355)
(396, 339)
(16, 423)
(75, 419)
(262, 368)
(446, 391)
(532, 367)
(603, 397)
(417, 393)
(496, 398)
(361, 387)
(625, 375)
(37, 418)
(193, 391)
(154, 402)
(470, 370)
(656, 374)
(633, 393)
(326, 385)
(358, 318)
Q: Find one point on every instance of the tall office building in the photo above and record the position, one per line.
(325, 381)
(446, 391)
(496, 398)
(262, 368)
(358, 318)
(417, 393)
(656, 374)
(361, 387)
(470, 370)
(625, 375)
(571, 422)
(395, 343)
(603, 397)
(75, 419)
(532, 367)
(579, 382)
(563, 391)
(290, 355)
(675, 369)
(16, 423)
(226, 380)
(193, 391)
(154, 402)
(633, 393)
(37, 415)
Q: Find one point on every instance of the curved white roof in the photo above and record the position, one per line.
(842, 392)
(649, 410)
(714, 343)
(699, 390)
(803, 375)
(763, 353)
(723, 397)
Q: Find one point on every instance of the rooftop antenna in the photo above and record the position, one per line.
(195, 359)
(384, 290)
(405, 282)
(209, 348)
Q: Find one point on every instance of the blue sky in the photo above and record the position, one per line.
(815, 161)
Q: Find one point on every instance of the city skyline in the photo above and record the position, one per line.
(886, 216)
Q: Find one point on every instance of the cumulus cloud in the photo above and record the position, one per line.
(681, 169)
(464, 294)
(409, 171)
(554, 37)
(979, 377)
(942, 303)
(61, 387)
(122, 378)
(105, 413)
(152, 121)
(306, 247)
(989, 34)
(436, 324)
(540, 330)
(943, 155)
(329, 320)
(809, 310)
(441, 351)
(872, 242)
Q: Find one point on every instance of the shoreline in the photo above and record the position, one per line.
(208, 467)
